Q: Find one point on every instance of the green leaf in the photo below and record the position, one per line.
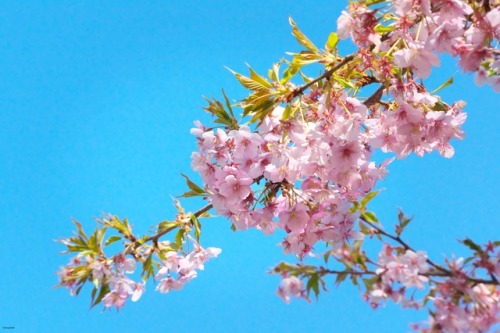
(383, 29)
(262, 110)
(72, 248)
(248, 82)
(92, 243)
(179, 237)
(273, 73)
(370, 282)
(444, 85)
(370, 217)
(95, 282)
(258, 78)
(345, 83)
(112, 239)
(331, 43)
(92, 295)
(313, 284)
(340, 278)
(167, 225)
(216, 108)
(289, 73)
(354, 208)
(205, 214)
(287, 113)
(367, 198)
(100, 235)
(81, 233)
(197, 227)
(147, 267)
(326, 256)
(195, 189)
(373, 2)
(467, 260)
(440, 106)
(77, 291)
(228, 105)
(403, 222)
(102, 292)
(471, 245)
(305, 58)
(301, 38)
(192, 185)
(354, 280)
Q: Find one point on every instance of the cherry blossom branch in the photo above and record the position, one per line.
(232, 159)
(445, 272)
(399, 240)
(323, 271)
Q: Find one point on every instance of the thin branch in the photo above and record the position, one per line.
(300, 89)
(403, 243)
(198, 213)
(350, 272)
(375, 97)
(444, 271)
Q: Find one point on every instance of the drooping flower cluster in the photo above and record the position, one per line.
(477, 310)
(459, 306)
(177, 269)
(110, 274)
(121, 289)
(398, 273)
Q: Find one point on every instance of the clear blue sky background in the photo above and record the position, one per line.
(96, 102)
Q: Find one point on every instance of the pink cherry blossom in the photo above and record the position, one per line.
(235, 188)
(100, 270)
(115, 298)
(295, 218)
(167, 284)
(417, 58)
(291, 286)
(446, 35)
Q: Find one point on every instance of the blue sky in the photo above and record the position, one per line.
(97, 100)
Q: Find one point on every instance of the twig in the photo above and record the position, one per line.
(444, 271)
(300, 89)
(375, 97)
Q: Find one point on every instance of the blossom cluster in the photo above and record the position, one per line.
(398, 272)
(178, 269)
(463, 29)
(110, 274)
(477, 308)
(113, 274)
(459, 306)
(315, 165)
